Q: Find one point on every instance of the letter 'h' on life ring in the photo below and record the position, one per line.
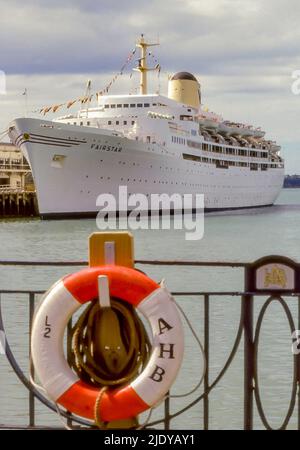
(63, 386)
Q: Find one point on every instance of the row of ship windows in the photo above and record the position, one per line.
(178, 140)
(130, 105)
(226, 150)
(140, 180)
(87, 124)
(182, 183)
(117, 122)
(225, 164)
(218, 163)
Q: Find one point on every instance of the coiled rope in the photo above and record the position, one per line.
(98, 422)
(109, 347)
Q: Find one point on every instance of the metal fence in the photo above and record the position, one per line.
(276, 278)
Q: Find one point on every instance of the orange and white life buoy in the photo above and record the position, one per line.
(63, 385)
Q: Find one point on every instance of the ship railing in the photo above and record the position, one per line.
(281, 286)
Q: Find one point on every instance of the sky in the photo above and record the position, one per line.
(243, 52)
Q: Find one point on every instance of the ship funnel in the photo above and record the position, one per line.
(184, 88)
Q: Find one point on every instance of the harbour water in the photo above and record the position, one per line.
(236, 236)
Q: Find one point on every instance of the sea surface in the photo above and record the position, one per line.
(237, 236)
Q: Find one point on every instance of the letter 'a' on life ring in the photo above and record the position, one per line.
(63, 385)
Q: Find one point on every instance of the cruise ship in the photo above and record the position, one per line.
(149, 143)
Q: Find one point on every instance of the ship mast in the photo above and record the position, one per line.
(142, 67)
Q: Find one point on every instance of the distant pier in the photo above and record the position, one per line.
(14, 203)
(17, 190)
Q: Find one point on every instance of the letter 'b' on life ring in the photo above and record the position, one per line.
(63, 385)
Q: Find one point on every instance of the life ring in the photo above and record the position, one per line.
(63, 386)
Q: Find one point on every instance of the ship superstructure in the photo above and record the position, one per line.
(152, 144)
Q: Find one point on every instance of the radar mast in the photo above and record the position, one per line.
(142, 64)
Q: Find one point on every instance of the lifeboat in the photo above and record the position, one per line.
(258, 132)
(209, 120)
(232, 129)
(225, 128)
(275, 147)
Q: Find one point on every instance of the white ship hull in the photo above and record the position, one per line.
(72, 165)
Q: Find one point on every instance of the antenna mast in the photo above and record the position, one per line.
(88, 96)
(142, 67)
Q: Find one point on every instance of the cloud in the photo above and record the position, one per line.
(73, 36)
(242, 51)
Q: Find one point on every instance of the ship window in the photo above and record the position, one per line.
(74, 123)
(191, 157)
(132, 105)
(117, 122)
(125, 105)
(132, 122)
(146, 105)
(139, 105)
(112, 106)
(125, 122)
(109, 122)
(81, 123)
(88, 123)
(153, 104)
(106, 106)
(119, 106)
(186, 117)
(194, 144)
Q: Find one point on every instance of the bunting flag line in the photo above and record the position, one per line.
(87, 99)
(71, 103)
(108, 86)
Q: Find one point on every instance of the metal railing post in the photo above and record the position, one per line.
(167, 412)
(31, 367)
(248, 355)
(298, 372)
(206, 375)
